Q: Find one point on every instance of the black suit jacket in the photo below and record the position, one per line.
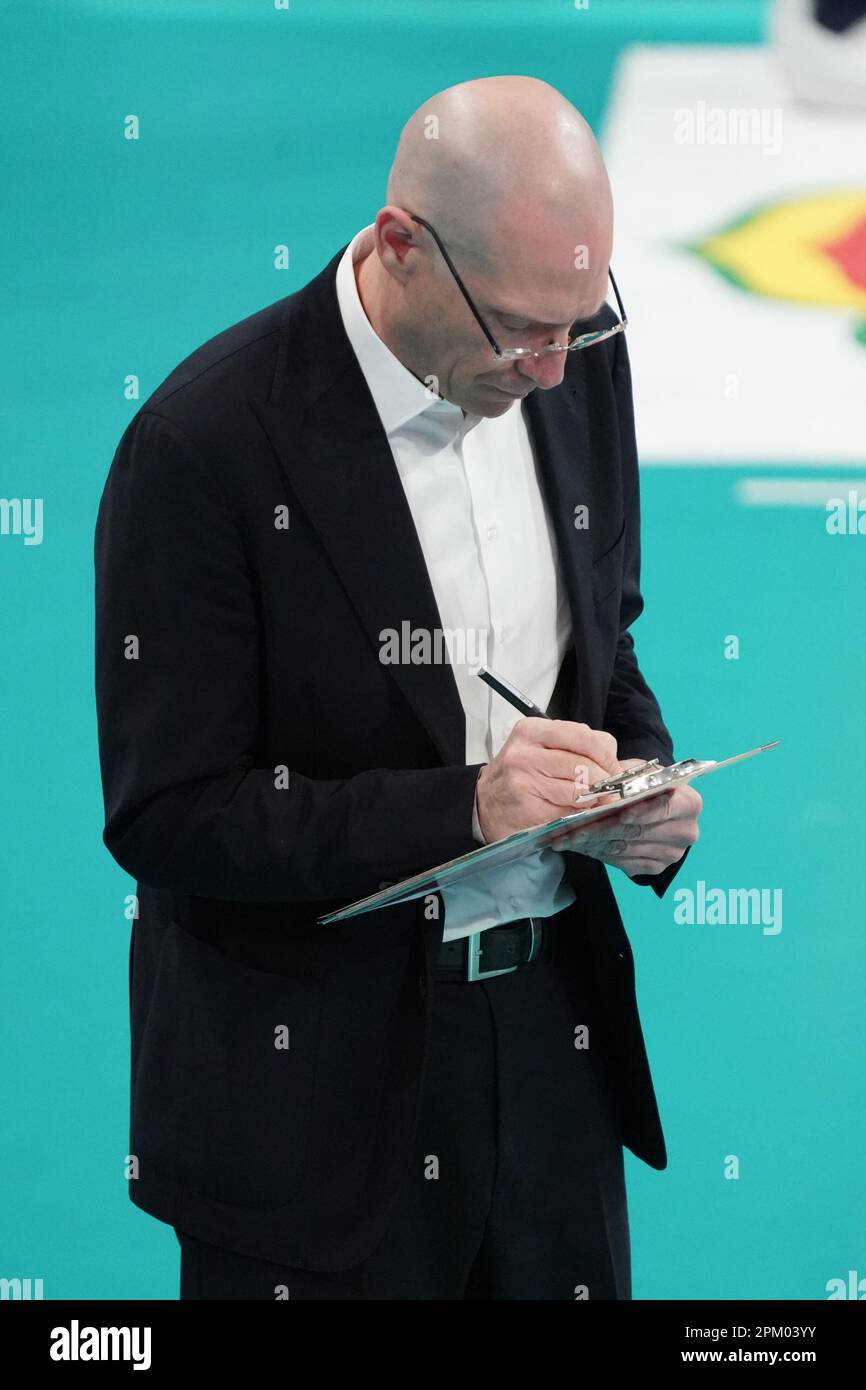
(261, 767)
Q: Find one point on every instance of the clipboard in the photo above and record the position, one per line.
(636, 784)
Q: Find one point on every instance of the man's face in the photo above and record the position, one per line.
(529, 293)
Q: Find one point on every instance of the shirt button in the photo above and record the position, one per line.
(505, 634)
(492, 533)
(515, 902)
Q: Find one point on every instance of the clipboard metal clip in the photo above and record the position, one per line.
(641, 779)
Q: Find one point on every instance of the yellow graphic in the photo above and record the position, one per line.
(810, 249)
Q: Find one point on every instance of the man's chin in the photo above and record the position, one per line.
(492, 401)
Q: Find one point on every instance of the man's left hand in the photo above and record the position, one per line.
(641, 839)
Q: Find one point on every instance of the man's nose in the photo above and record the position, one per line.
(546, 371)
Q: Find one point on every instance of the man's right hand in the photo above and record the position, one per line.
(537, 773)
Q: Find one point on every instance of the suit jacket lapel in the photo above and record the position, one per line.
(327, 434)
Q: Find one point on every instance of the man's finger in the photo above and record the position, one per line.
(578, 739)
(561, 763)
(655, 808)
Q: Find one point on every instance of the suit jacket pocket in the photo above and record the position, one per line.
(226, 1074)
(607, 570)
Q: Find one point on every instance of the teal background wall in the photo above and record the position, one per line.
(261, 127)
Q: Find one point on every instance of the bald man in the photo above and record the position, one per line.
(311, 536)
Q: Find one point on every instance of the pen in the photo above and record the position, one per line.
(511, 694)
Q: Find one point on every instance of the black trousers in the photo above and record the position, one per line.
(515, 1189)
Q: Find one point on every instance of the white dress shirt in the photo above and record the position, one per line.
(475, 496)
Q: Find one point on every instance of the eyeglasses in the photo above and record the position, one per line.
(582, 340)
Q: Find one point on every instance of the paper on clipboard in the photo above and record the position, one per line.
(524, 842)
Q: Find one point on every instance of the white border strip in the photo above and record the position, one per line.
(796, 492)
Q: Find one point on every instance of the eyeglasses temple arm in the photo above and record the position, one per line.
(450, 264)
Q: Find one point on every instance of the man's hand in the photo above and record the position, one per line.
(641, 839)
(537, 773)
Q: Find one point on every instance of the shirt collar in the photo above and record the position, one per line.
(398, 395)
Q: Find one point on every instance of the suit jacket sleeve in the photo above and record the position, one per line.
(188, 807)
(632, 712)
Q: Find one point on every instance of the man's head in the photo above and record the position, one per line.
(510, 176)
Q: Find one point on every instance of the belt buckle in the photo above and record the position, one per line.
(474, 949)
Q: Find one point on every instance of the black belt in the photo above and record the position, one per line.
(496, 951)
